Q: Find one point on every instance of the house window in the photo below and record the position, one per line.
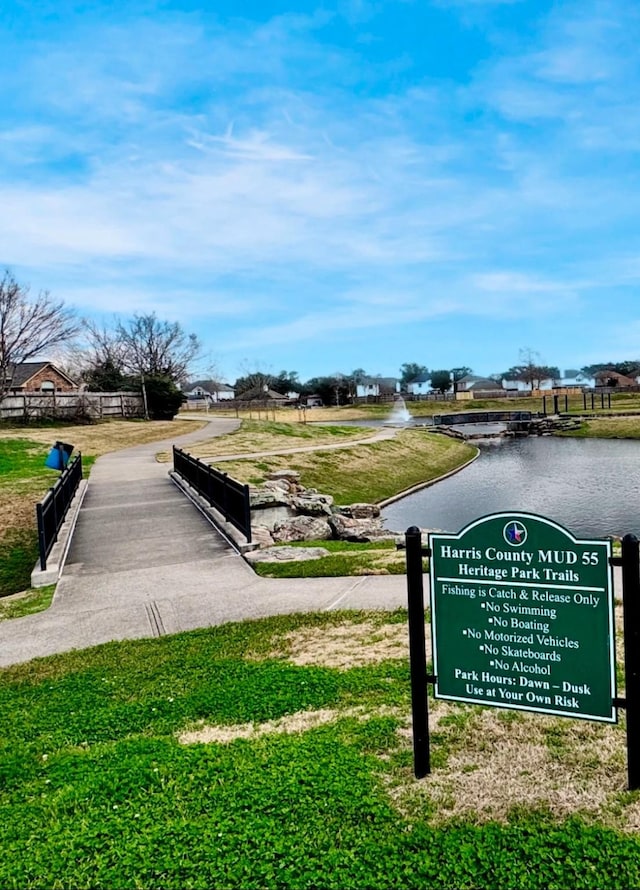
(47, 386)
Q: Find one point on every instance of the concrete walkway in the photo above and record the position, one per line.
(144, 562)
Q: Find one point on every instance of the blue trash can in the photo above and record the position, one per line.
(58, 457)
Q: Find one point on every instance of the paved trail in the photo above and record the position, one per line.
(144, 562)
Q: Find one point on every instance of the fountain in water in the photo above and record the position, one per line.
(399, 414)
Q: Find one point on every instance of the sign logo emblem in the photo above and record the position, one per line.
(514, 533)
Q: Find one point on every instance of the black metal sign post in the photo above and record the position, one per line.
(631, 603)
(417, 654)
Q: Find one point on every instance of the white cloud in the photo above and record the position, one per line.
(233, 171)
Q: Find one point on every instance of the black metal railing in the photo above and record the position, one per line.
(229, 497)
(52, 509)
(480, 417)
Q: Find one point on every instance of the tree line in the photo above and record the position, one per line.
(143, 354)
(155, 357)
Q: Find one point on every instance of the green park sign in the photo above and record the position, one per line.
(522, 617)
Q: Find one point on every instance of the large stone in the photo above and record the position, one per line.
(261, 535)
(259, 498)
(277, 485)
(360, 511)
(302, 528)
(345, 528)
(286, 554)
(289, 475)
(312, 504)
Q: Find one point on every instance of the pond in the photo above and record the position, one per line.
(591, 486)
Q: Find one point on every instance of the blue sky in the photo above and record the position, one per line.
(319, 187)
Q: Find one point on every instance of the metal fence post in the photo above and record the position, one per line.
(247, 513)
(631, 601)
(42, 542)
(417, 654)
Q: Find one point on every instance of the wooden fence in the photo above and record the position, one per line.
(70, 406)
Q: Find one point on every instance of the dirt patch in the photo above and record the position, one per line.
(502, 761)
(345, 646)
(291, 723)
(17, 511)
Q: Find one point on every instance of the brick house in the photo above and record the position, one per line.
(43, 377)
(613, 380)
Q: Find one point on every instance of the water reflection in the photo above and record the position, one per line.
(590, 486)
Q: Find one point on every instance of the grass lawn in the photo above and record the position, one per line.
(26, 602)
(277, 754)
(255, 436)
(344, 558)
(24, 479)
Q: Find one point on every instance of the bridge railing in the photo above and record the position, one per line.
(52, 509)
(228, 496)
(481, 417)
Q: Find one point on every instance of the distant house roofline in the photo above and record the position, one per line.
(21, 373)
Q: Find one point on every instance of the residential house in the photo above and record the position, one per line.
(377, 386)
(513, 385)
(42, 377)
(265, 395)
(210, 390)
(420, 385)
(612, 379)
(473, 383)
(574, 379)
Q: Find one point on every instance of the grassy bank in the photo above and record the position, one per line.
(608, 428)
(369, 473)
(277, 754)
(24, 480)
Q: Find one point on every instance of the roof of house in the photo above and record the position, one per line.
(620, 379)
(484, 383)
(421, 378)
(258, 393)
(210, 386)
(24, 371)
(472, 379)
(379, 381)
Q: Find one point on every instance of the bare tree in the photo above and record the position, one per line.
(103, 345)
(157, 348)
(253, 376)
(28, 326)
(530, 370)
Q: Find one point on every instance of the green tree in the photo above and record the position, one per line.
(286, 381)
(253, 380)
(333, 390)
(409, 371)
(107, 377)
(629, 368)
(163, 397)
(441, 380)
